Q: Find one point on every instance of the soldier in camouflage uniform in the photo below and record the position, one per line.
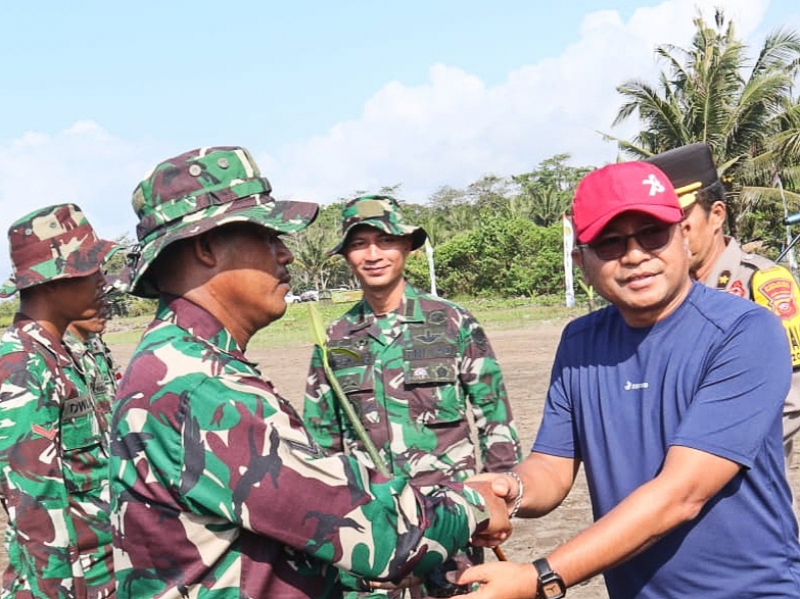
(413, 366)
(217, 488)
(92, 357)
(53, 456)
(718, 260)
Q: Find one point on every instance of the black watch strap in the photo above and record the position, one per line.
(551, 585)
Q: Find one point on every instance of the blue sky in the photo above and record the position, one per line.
(262, 72)
(330, 97)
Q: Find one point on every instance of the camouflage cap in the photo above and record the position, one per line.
(381, 212)
(52, 243)
(197, 191)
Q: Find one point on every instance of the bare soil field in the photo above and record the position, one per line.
(526, 355)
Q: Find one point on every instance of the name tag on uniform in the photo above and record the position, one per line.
(429, 352)
(75, 407)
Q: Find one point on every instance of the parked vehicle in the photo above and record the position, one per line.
(291, 298)
(312, 295)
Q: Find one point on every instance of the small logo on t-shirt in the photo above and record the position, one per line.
(629, 386)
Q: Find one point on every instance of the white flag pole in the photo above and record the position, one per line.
(431, 269)
(568, 236)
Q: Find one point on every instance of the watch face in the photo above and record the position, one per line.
(551, 586)
(552, 590)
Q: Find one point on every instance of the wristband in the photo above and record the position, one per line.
(521, 490)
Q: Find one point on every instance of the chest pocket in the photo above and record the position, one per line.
(83, 454)
(430, 372)
(430, 351)
(430, 365)
(352, 364)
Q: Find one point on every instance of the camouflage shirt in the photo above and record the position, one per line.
(220, 492)
(412, 376)
(94, 362)
(53, 472)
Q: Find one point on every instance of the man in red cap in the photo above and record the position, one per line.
(674, 415)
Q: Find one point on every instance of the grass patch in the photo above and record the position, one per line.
(126, 330)
(293, 329)
(519, 312)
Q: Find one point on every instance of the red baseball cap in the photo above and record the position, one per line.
(627, 186)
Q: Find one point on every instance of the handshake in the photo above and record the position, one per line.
(503, 496)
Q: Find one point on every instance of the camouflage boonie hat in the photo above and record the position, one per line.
(197, 191)
(52, 243)
(381, 212)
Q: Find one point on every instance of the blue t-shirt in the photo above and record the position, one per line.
(712, 376)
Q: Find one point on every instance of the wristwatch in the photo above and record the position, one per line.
(551, 585)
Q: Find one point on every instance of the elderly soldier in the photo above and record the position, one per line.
(93, 358)
(718, 260)
(674, 416)
(53, 455)
(412, 364)
(218, 489)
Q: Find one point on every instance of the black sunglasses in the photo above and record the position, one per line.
(613, 247)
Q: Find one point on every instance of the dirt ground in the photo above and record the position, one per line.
(525, 355)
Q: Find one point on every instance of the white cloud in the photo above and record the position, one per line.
(84, 165)
(453, 129)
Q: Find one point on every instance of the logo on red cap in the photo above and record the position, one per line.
(607, 192)
(656, 186)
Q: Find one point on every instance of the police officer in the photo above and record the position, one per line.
(412, 365)
(53, 455)
(718, 261)
(217, 487)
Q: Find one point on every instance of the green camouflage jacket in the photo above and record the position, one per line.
(53, 472)
(219, 491)
(96, 366)
(412, 377)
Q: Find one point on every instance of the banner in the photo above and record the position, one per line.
(568, 236)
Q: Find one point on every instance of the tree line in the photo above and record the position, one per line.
(502, 236)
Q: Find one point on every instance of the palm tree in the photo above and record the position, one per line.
(312, 267)
(706, 94)
(545, 193)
